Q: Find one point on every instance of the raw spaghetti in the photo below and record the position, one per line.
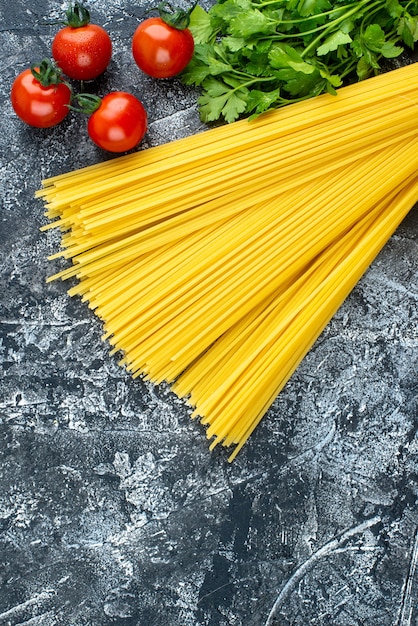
(215, 261)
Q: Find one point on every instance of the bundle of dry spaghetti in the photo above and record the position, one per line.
(215, 261)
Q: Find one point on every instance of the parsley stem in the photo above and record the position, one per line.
(324, 27)
(251, 60)
(309, 17)
(367, 18)
(253, 81)
(349, 67)
(314, 43)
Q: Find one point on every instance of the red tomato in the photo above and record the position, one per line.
(36, 105)
(84, 52)
(160, 50)
(119, 123)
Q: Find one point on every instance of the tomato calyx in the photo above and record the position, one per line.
(87, 103)
(47, 73)
(176, 18)
(77, 16)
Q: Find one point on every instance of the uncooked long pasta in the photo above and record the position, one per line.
(215, 261)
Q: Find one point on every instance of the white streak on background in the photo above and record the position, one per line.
(37, 600)
(410, 589)
(330, 547)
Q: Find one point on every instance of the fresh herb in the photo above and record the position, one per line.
(255, 55)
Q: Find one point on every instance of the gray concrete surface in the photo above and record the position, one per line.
(112, 510)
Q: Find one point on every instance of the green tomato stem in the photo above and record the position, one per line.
(87, 103)
(77, 15)
(176, 18)
(48, 73)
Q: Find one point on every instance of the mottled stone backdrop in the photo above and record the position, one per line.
(112, 510)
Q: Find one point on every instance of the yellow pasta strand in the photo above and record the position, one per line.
(216, 260)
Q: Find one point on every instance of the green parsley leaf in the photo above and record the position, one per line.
(374, 37)
(334, 80)
(223, 13)
(252, 55)
(195, 73)
(311, 7)
(282, 56)
(211, 108)
(390, 51)
(234, 106)
(303, 85)
(216, 88)
(234, 44)
(253, 22)
(374, 40)
(221, 100)
(408, 30)
(201, 26)
(394, 8)
(363, 69)
(261, 101)
(339, 38)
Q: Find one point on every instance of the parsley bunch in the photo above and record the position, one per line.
(254, 55)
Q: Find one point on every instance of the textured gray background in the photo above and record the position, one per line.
(112, 510)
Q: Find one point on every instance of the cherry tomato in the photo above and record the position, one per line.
(37, 105)
(82, 50)
(119, 123)
(161, 50)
